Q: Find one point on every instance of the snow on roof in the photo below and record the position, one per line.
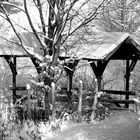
(7, 48)
(12, 49)
(102, 48)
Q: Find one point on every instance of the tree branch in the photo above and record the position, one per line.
(41, 17)
(26, 48)
(85, 21)
(66, 19)
(8, 3)
(31, 25)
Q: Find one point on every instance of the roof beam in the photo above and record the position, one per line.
(131, 67)
(12, 61)
(99, 67)
(70, 68)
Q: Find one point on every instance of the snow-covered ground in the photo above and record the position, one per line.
(121, 125)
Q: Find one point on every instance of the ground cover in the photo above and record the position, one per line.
(121, 125)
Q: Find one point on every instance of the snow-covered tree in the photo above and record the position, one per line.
(44, 28)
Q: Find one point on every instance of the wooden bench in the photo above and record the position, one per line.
(18, 88)
(116, 101)
(119, 92)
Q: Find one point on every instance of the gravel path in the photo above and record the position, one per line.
(122, 125)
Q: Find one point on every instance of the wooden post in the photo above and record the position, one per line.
(98, 68)
(70, 78)
(14, 79)
(53, 101)
(99, 84)
(47, 106)
(70, 68)
(80, 102)
(94, 107)
(28, 101)
(127, 82)
(70, 83)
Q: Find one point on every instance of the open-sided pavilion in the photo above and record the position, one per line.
(11, 52)
(111, 46)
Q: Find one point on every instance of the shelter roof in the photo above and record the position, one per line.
(114, 45)
(8, 48)
(11, 49)
(108, 46)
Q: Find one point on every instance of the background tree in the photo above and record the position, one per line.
(119, 16)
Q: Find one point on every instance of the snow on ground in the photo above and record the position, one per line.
(122, 125)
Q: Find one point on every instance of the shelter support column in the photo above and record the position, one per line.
(12, 60)
(129, 69)
(70, 68)
(99, 83)
(70, 81)
(127, 78)
(14, 79)
(98, 69)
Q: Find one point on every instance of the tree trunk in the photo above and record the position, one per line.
(49, 51)
(54, 28)
(47, 106)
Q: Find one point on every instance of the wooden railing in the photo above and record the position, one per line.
(119, 92)
(117, 101)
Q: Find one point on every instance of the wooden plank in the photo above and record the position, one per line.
(87, 109)
(64, 88)
(53, 101)
(119, 92)
(119, 108)
(18, 96)
(61, 98)
(28, 102)
(14, 55)
(80, 102)
(14, 73)
(17, 88)
(127, 79)
(88, 97)
(117, 101)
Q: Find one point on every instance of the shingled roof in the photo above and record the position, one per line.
(115, 45)
(11, 49)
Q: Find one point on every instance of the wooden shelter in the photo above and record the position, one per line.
(10, 52)
(110, 46)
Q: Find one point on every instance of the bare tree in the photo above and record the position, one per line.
(120, 15)
(58, 21)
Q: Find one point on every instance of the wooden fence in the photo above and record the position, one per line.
(80, 96)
